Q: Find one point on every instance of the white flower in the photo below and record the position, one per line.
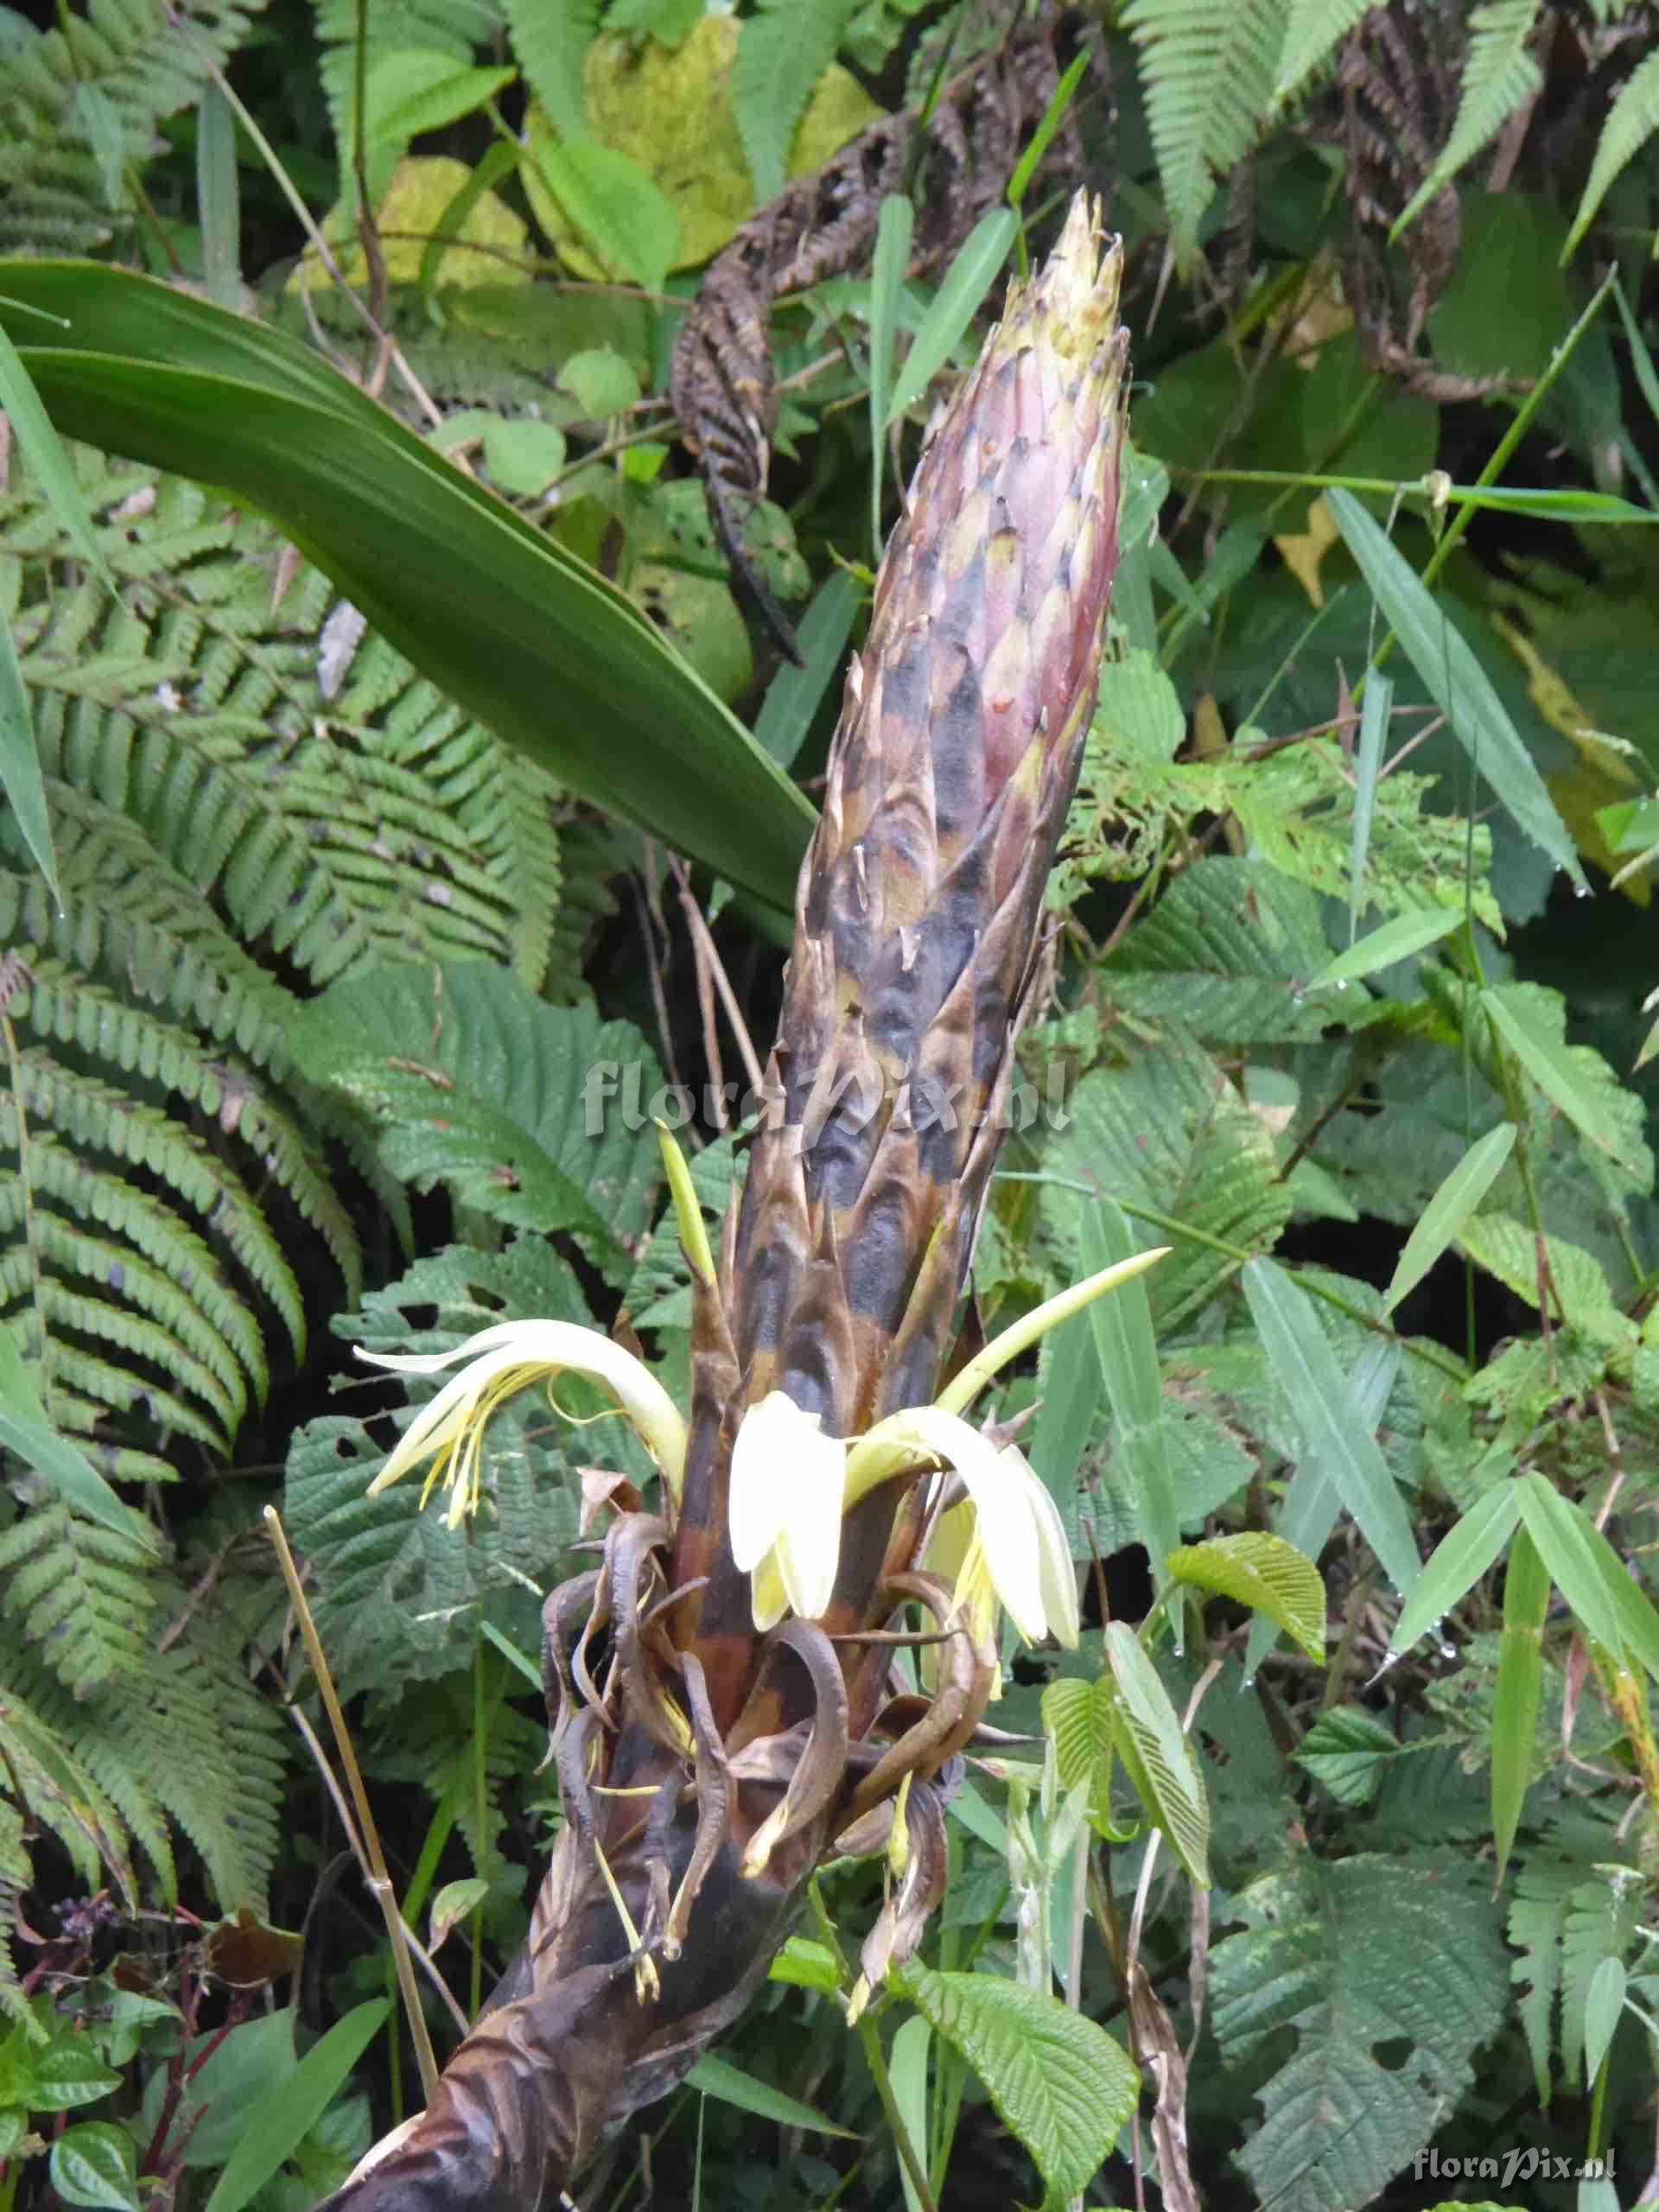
(785, 1506)
(502, 1361)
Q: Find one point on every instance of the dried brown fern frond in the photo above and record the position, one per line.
(712, 1744)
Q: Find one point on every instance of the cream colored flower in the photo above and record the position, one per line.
(502, 1361)
(785, 1500)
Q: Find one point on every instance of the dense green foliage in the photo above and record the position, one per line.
(1342, 1826)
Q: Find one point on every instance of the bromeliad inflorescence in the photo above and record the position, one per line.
(725, 1699)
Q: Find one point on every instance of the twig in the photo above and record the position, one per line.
(702, 934)
(397, 1932)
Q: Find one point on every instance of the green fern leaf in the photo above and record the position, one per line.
(1633, 119)
(143, 62)
(1391, 1975)
(1313, 30)
(783, 51)
(550, 39)
(1499, 76)
(1209, 75)
(190, 1738)
(82, 1592)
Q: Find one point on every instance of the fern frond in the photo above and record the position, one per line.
(155, 1239)
(1499, 76)
(783, 51)
(17, 1875)
(550, 39)
(147, 59)
(95, 1116)
(51, 1786)
(1209, 75)
(82, 1591)
(1631, 121)
(1313, 31)
(191, 1739)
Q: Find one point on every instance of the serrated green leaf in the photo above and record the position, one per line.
(1081, 1720)
(628, 218)
(1157, 1754)
(1455, 681)
(415, 89)
(1264, 1573)
(1444, 1217)
(1321, 1397)
(1346, 1750)
(1058, 2081)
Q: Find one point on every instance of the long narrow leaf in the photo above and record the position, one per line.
(529, 639)
(1551, 1068)
(42, 447)
(1394, 940)
(1368, 763)
(1458, 1562)
(1322, 1399)
(1128, 1361)
(718, 2077)
(1156, 1754)
(794, 694)
(1561, 1530)
(894, 229)
(955, 305)
(278, 2125)
(1455, 681)
(1443, 1218)
(1519, 1690)
(62, 1464)
(218, 202)
(20, 761)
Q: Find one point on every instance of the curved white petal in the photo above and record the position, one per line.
(1057, 1578)
(771, 1599)
(531, 1351)
(784, 1503)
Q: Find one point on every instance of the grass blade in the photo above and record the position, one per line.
(794, 694)
(718, 2077)
(25, 1429)
(1458, 1562)
(44, 451)
(1444, 1216)
(1550, 1066)
(1322, 1399)
(217, 204)
(1455, 681)
(1560, 1531)
(894, 226)
(1367, 762)
(1519, 1689)
(280, 2125)
(1043, 136)
(1381, 947)
(907, 2068)
(20, 763)
(1128, 1351)
(955, 305)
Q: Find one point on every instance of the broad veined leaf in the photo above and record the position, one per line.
(498, 616)
(1156, 1752)
(96, 2164)
(1347, 1750)
(1057, 2080)
(1264, 1573)
(1081, 1719)
(1458, 684)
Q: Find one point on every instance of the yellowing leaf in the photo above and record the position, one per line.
(410, 210)
(671, 110)
(1303, 552)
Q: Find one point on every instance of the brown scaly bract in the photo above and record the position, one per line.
(706, 1768)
